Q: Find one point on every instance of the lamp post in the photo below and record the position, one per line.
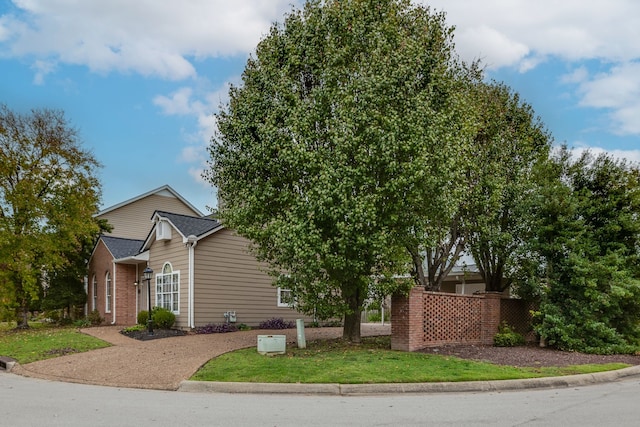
(147, 274)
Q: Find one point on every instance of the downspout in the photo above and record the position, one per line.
(113, 295)
(137, 283)
(86, 291)
(192, 241)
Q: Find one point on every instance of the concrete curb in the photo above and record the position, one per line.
(368, 389)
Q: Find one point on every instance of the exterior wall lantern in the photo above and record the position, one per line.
(147, 274)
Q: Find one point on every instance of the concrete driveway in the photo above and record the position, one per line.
(160, 364)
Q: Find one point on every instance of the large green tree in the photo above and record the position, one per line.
(346, 119)
(510, 147)
(588, 240)
(48, 195)
(64, 288)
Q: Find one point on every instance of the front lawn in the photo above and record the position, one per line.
(334, 361)
(44, 341)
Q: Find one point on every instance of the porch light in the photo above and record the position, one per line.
(147, 274)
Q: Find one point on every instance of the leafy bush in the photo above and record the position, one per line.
(276, 323)
(507, 337)
(588, 336)
(212, 328)
(143, 317)
(65, 321)
(94, 318)
(82, 323)
(134, 328)
(162, 318)
(244, 327)
(376, 317)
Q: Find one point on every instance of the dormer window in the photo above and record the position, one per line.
(163, 230)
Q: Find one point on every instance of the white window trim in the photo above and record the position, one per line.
(161, 275)
(108, 291)
(282, 303)
(94, 291)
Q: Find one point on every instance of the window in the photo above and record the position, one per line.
(168, 289)
(94, 304)
(285, 298)
(107, 280)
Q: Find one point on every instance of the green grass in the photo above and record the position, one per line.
(371, 362)
(44, 342)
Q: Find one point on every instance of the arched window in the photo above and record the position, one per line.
(107, 281)
(94, 290)
(168, 289)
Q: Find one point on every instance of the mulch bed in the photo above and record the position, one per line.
(157, 333)
(529, 355)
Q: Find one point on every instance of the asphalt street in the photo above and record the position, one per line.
(35, 402)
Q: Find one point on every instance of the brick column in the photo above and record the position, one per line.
(407, 319)
(490, 317)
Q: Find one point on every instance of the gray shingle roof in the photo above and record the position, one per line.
(122, 248)
(188, 225)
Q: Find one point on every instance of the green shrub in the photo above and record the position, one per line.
(134, 328)
(143, 316)
(376, 317)
(94, 318)
(82, 323)
(162, 318)
(244, 327)
(507, 337)
(65, 321)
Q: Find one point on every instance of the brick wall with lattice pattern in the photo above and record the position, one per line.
(451, 318)
(426, 319)
(517, 314)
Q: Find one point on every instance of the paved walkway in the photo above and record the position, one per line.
(161, 364)
(168, 363)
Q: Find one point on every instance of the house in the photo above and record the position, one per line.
(202, 271)
(463, 279)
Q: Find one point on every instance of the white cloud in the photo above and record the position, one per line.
(201, 106)
(617, 90)
(42, 68)
(196, 174)
(163, 38)
(579, 75)
(178, 103)
(511, 32)
(632, 156)
(148, 37)
(490, 45)
(522, 33)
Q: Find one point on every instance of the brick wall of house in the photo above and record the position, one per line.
(427, 319)
(126, 310)
(101, 262)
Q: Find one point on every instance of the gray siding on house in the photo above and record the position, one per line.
(133, 221)
(228, 278)
(174, 252)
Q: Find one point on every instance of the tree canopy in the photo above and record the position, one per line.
(586, 250)
(349, 120)
(358, 148)
(48, 195)
(509, 149)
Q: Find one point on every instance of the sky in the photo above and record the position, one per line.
(141, 80)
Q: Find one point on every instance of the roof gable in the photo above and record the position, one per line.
(122, 248)
(189, 225)
(185, 225)
(165, 191)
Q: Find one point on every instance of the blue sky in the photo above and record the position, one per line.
(141, 79)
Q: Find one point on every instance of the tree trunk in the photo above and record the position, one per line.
(351, 331)
(23, 317)
(418, 271)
